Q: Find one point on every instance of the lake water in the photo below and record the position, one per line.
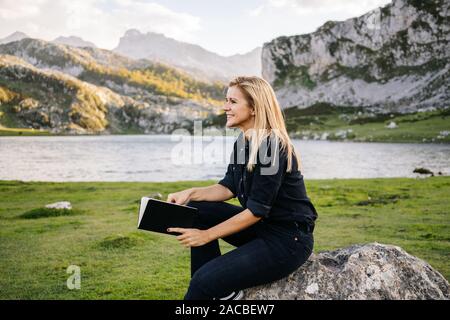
(170, 158)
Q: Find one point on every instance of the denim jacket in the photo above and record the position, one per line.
(272, 194)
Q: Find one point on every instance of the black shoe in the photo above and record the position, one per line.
(235, 295)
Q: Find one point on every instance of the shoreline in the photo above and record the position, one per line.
(419, 177)
(38, 133)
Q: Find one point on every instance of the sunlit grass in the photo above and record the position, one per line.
(118, 261)
(4, 131)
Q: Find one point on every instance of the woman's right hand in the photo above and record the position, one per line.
(181, 197)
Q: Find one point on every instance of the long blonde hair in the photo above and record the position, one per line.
(269, 118)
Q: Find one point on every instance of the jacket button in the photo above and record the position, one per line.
(295, 239)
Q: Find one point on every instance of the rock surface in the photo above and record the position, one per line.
(60, 205)
(359, 272)
(394, 58)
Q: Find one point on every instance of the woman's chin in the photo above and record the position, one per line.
(229, 124)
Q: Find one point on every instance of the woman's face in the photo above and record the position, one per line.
(239, 114)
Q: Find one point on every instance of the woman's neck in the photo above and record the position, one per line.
(248, 133)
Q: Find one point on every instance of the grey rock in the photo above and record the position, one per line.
(156, 195)
(60, 205)
(392, 125)
(360, 272)
(391, 58)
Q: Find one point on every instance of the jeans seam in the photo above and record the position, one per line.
(198, 289)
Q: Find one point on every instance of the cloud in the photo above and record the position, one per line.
(157, 18)
(17, 9)
(303, 7)
(100, 21)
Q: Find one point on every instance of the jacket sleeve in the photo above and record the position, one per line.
(228, 180)
(267, 180)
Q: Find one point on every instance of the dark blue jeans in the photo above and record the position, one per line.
(265, 252)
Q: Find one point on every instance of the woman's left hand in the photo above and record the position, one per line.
(192, 237)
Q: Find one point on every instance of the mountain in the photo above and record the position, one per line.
(46, 99)
(194, 59)
(391, 59)
(74, 42)
(67, 89)
(14, 37)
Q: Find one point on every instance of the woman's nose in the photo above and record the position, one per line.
(226, 106)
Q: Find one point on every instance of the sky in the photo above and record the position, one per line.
(224, 27)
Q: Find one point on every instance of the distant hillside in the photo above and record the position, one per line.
(50, 99)
(95, 90)
(112, 70)
(74, 42)
(391, 59)
(13, 37)
(194, 59)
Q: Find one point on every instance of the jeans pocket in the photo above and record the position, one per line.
(301, 245)
(289, 245)
(293, 245)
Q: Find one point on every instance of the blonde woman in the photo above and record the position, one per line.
(273, 227)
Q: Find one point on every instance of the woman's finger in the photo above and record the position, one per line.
(180, 230)
(185, 242)
(183, 236)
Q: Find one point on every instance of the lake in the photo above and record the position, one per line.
(171, 158)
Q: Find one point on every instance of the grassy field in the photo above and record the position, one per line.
(119, 262)
(359, 125)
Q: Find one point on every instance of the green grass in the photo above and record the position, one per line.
(40, 213)
(117, 261)
(10, 127)
(22, 132)
(321, 118)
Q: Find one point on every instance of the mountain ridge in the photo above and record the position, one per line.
(393, 58)
(74, 41)
(194, 59)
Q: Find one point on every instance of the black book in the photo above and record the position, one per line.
(156, 215)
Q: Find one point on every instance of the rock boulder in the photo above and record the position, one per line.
(359, 272)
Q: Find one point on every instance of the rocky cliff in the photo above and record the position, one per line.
(394, 58)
